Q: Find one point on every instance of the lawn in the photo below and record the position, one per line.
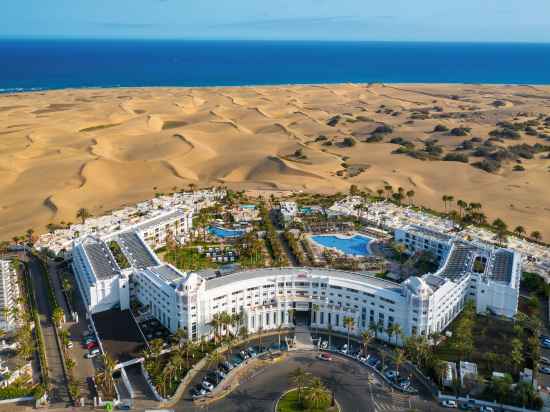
(186, 258)
(289, 403)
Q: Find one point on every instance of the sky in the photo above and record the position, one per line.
(355, 20)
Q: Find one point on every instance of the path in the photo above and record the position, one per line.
(59, 394)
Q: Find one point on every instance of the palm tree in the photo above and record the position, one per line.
(373, 329)
(318, 395)
(445, 199)
(462, 205)
(380, 192)
(57, 316)
(83, 214)
(300, 378)
(410, 196)
(519, 231)
(180, 337)
(349, 323)
(389, 332)
(108, 369)
(397, 331)
(399, 359)
(389, 190)
(366, 338)
(536, 235)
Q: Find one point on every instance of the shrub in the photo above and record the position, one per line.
(321, 138)
(398, 140)
(456, 157)
(505, 134)
(375, 138)
(441, 128)
(488, 165)
(460, 131)
(349, 142)
(333, 121)
(466, 145)
(518, 168)
(383, 129)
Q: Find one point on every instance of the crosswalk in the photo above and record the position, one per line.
(391, 402)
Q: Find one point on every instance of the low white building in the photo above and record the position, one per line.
(9, 292)
(288, 211)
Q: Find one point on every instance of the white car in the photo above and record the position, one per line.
(486, 409)
(207, 386)
(449, 404)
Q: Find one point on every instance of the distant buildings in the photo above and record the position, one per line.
(288, 211)
(9, 293)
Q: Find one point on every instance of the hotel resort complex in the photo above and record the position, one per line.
(193, 271)
(121, 269)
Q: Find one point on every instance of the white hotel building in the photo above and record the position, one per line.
(270, 297)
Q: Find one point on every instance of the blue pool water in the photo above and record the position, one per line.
(356, 245)
(225, 233)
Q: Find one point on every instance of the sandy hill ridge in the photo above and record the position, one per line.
(103, 148)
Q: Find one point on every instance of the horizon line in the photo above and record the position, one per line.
(259, 40)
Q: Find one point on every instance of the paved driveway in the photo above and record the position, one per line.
(356, 388)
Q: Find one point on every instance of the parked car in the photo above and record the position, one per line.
(236, 360)
(324, 345)
(91, 354)
(404, 383)
(91, 345)
(449, 404)
(226, 366)
(207, 385)
(544, 359)
(70, 345)
(244, 355)
(197, 392)
(124, 407)
(324, 357)
(486, 409)
(391, 374)
(251, 352)
(545, 370)
(344, 349)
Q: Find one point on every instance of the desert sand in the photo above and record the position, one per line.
(105, 148)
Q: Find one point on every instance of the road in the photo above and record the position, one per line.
(59, 392)
(356, 388)
(84, 367)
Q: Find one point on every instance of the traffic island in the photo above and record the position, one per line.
(309, 400)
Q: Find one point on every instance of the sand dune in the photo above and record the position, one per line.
(101, 149)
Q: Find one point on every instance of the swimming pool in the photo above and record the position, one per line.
(225, 233)
(355, 246)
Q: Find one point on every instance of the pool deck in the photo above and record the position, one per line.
(343, 236)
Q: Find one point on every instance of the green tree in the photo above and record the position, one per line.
(317, 397)
(349, 323)
(83, 214)
(300, 378)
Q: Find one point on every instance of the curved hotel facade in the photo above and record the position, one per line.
(270, 297)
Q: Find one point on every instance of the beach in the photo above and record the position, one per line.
(104, 148)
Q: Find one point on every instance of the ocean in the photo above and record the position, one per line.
(55, 64)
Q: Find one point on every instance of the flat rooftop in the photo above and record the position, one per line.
(135, 251)
(159, 219)
(119, 334)
(424, 231)
(101, 259)
(370, 280)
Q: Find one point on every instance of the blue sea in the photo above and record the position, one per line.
(55, 64)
